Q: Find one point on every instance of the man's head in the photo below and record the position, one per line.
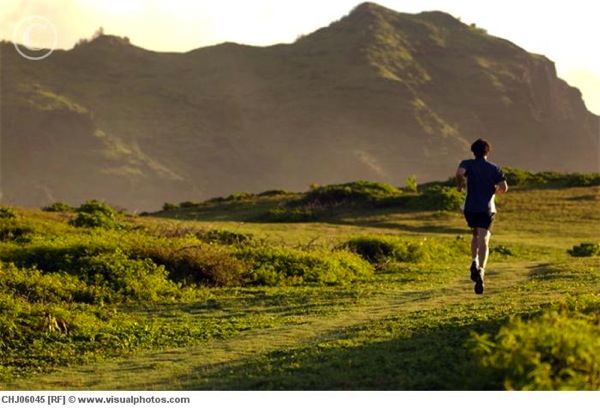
(481, 148)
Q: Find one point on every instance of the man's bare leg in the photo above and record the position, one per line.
(482, 237)
(483, 243)
(474, 244)
(474, 255)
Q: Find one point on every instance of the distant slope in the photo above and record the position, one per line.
(378, 95)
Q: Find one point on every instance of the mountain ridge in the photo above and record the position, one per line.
(377, 95)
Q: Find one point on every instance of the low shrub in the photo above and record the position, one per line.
(273, 266)
(187, 204)
(13, 230)
(239, 196)
(55, 255)
(583, 180)
(39, 336)
(128, 279)
(275, 193)
(438, 198)
(383, 249)
(35, 286)
(7, 213)
(321, 201)
(518, 177)
(219, 236)
(555, 351)
(95, 214)
(169, 207)
(100, 264)
(198, 264)
(502, 250)
(294, 214)
(96, 220)
(358, 191)
(58, 207)
(585, 249)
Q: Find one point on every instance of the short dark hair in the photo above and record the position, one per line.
(481, 148)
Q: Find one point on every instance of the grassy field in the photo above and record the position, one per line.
(411, 323)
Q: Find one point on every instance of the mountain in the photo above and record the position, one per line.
(378, 95)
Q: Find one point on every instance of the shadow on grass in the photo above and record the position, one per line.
(429, 359)
(351, 216)
(440, 229)
(569, 272)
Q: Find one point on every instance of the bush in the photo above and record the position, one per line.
(53, 256)
(322, 200)
(274, 266)
(358, 191)
(12, 230)
(95, 214)
(438, 198)
(58, 207)
(517, 177)
(131, 279)
(187, 204)
(105, 267)
(411, 184)
(95, 206)
(169, 207)
(97, 220)
(583, 180)
(502, 250)
(294, 214)
(225, 237)
(240, 196)
(557, 351)
(7, 213)
(203, 264)
(275, 193)
(36, 286)
(584, 249)
(380, 249)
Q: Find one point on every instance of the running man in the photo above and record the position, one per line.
(484, 180)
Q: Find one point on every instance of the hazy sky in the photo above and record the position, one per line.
(566, 31)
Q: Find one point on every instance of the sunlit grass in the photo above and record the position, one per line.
(405, 328)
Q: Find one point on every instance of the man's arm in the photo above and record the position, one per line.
(460, 178)
(502, 187)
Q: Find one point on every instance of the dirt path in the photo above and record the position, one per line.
(165, 370)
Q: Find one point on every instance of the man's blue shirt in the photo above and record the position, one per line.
(482, 178)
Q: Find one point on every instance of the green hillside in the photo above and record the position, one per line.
(378, 95)
(370, 291)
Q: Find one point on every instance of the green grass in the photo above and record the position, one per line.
(408, 326)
